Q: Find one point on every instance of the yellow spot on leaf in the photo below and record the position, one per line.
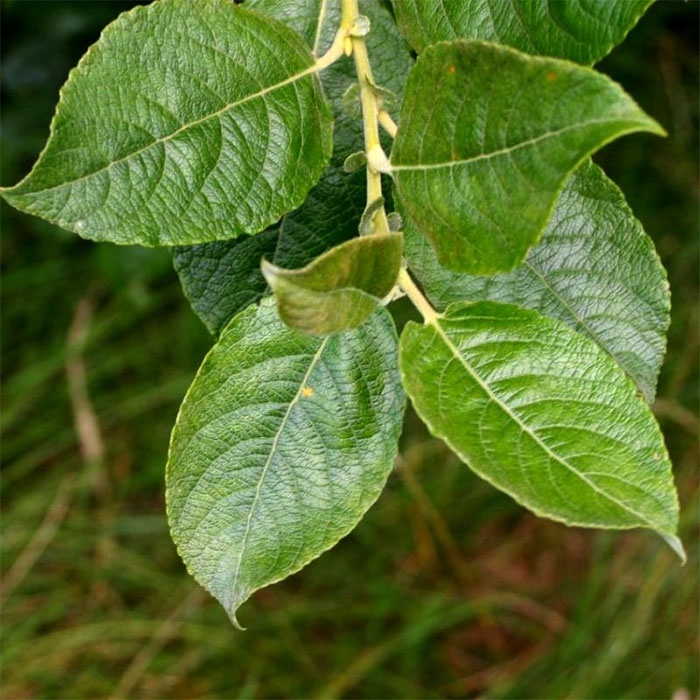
(452, 69)
(307, 392)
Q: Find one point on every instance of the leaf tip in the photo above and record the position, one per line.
(234, 620)
(270, 271)
(676, 545)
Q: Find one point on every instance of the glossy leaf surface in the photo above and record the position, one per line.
(487, 138)
(283, 442)
(186, 122)
(543, 414)
(595, 269)
(579, 30)
(339, 289)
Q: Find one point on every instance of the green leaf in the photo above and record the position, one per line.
(488, 136)
(282, 444)
(543, 414)
(221, 279)
(339, 289)
(580, 31)
(186, 122)
(595, 269)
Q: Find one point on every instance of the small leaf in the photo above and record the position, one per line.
(581, 32)
(354, 162)
(338, 290)
(488, 136)
(543, 414)
(186, 122)
(395, 221)
(366, 226)
(282, 444)
(595, 269)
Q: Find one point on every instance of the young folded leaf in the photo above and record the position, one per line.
(595, 269)
(581, 32)
(488, 136)
(339, 289)
(186, 122)
(283, 442)
(543, 414)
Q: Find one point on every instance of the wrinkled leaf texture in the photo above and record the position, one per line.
(186, 122)
(283, 442)
(220, 279)
(578, 30)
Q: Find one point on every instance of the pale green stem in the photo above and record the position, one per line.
(387, 123)
(372, 116)
(370, 110)
(336, 50)
(428, 313)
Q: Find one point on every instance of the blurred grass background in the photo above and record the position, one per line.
(447, 589)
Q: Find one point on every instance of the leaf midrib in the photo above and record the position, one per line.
(524, 427)
(519, 146)
(273, 448)
(312, 69)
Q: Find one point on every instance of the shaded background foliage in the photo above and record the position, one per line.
(446, 589)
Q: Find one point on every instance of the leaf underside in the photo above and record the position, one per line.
(186, 122)
(488, 136)
(339, 289)
(595, 269)
(580, 31)
(543, 414)
(283, 442)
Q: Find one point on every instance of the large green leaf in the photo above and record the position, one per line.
(543, 414)
(339, 289)
(595, 269)
(580, 30)
(486, 140)
(220, 279)
(283, 442)
(186, 122)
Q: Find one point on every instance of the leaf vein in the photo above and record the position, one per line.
(501, 151)
(526, 429)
